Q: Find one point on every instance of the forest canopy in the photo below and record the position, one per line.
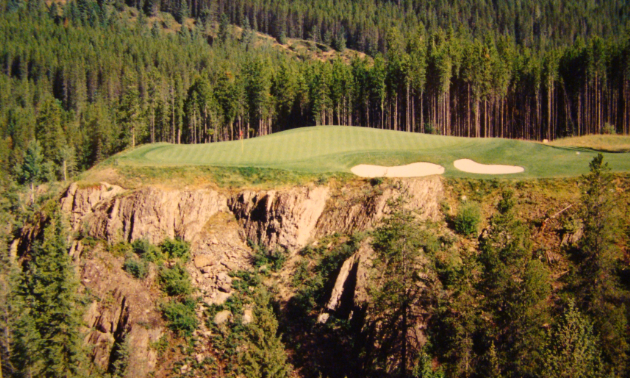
(89, 79)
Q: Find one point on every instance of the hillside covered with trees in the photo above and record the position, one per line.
(94, 78)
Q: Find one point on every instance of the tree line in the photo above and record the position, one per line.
(87, 80)
(365, 23)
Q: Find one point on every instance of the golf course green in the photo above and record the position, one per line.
(339, 148)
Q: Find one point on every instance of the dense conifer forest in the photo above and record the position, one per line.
(92, 78)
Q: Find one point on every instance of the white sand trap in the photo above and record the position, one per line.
(470, 166)
(410, 170)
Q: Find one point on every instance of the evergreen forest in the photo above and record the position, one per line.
(89, 79)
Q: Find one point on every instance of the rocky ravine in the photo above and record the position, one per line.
(218, 226)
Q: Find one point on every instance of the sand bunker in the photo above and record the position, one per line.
(410, 170)
(470, 166)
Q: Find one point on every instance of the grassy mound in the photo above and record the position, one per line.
(326, 149)
(610, 143)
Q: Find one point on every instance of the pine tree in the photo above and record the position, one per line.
(67, 157)
(183, 12)
(49, 129)
(248, 35)
(339, 43)
(152, 8)
(598, 244)
(31, 171)
(598, 284)
(48, 342)
(516, 290)
(282, 38)
(156, 30)
(399, 263)
(8, 270)
(130, 113)
(314, 35)
(264, 354)
(572, 350)
(224, 32)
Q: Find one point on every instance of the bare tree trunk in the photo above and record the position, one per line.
(172, 118)
(152, 130)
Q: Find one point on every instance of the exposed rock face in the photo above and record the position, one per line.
(284, 219)
(287, 219)
(218, 250)
(79, 202)
(350, 212)
(351, 286)
(125, 312)
(149, 213)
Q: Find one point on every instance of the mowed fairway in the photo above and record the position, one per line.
(339, 148)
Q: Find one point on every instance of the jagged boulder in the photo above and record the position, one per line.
(351, 285)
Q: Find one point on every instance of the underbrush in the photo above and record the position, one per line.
(265, 259)
(181, 315)
(247, 340)
(223, 177)
(141, 256)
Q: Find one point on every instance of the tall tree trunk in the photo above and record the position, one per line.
(172, 117)
(152, 125)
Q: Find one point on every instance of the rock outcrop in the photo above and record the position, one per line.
(351, 286)
(124, 312)
(150, 213)
(280, 219)
(350, 211)
(275, 218)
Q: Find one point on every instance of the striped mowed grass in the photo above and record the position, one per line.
(324, 149)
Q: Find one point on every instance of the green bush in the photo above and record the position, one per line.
(272, 259)
(137, 268)
(282, 39)
(181, 316)
(176, 249)
(175, 281)
(507, 202)
(609, 129)
(120, 249)
(468, 218)
(430, 129)
(146, 250)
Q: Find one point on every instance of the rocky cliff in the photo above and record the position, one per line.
(218, 225)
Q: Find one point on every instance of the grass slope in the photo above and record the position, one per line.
(325, 149)
(610, 143)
